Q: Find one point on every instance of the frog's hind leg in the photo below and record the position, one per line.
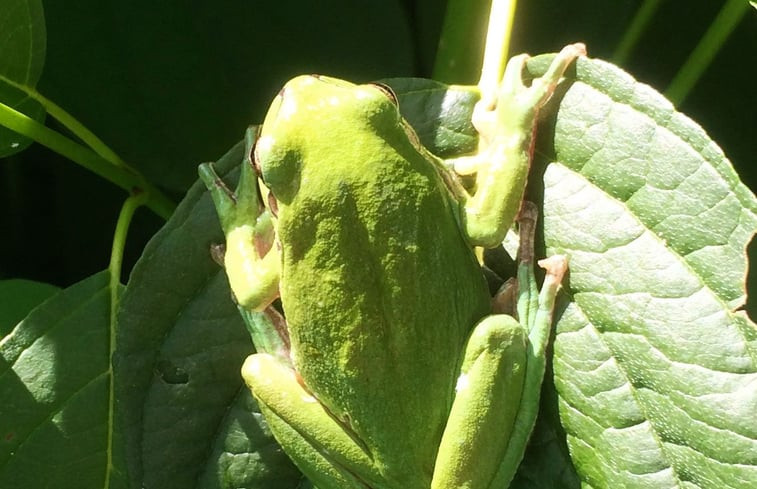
(317, 443)
(486, 405)
(497, 394)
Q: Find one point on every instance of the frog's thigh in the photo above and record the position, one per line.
(301, 424)
(485, 405)
(311, 462)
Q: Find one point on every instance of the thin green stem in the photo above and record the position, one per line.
(703, 54)
(463, 48)
(131, 204)
(120, 175)
(632, 35)
(498, 36)
(80, 131)
(70, 123)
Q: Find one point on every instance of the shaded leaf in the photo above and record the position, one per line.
(184, 416)
(439, 113)
(17, 298)
(54, 385)
(22, 44)
(655, 368)
(546, 463)
(244, 453)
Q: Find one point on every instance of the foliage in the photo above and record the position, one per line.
(654, 366)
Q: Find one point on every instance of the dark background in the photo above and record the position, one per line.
(171, 84)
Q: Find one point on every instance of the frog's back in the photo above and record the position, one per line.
(376, 248)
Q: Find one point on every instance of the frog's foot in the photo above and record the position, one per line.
(242, 206)
(250, 259)
(506, 122)
(535, 307)
(515, 105)
(535, 314)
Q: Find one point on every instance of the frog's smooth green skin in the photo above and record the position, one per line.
(400, 376)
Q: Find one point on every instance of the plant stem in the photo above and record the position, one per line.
(69, 122)
(131, 204)
(119, 174)
(702, 55)
(462, 45)
(80, 131)
(497, 44)
(632, 35)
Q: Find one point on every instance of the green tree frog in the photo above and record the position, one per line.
(399, 375)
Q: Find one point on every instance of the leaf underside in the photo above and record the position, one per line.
(655, 367)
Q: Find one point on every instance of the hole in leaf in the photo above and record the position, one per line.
(171, 374)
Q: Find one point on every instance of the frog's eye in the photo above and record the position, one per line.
(387, 90)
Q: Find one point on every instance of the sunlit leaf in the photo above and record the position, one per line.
(655, 367)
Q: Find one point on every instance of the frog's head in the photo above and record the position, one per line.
(311, 121)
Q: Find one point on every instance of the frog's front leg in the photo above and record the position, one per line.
(251, 259)
(497, 394)
(506, 121)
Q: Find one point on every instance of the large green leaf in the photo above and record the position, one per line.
(22, 55)
(54, 386)
(185, 416)
(655, 367)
